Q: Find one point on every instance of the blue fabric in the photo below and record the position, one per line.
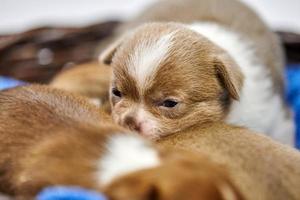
(293, 96)
(69, 193)
(6, 83)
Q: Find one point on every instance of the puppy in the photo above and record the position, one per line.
(261, 168)
(32, 115)
(182, 175)
(90, 79)
(217, 62)
(50, 137)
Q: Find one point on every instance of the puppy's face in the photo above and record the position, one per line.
(167, 78)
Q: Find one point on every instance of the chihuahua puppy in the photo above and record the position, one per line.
(32, 115)
(181, 175)
(50, 137)
(261, 168)
(216, 61)
(89, 79)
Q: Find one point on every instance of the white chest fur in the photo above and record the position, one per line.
(125, 154)
(259, 107)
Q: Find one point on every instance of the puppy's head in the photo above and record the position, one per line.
(196, 178)
(167, 78)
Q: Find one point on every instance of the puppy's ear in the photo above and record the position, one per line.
(107, 55)
(229, 74)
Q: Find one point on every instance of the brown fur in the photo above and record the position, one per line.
(90, 79)
(210, 79)
(183, 175)
(31, 119)
(261, 168)
(194, 65)
(50, 137)
(230, 13)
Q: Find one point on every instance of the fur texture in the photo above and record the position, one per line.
(262, 168)
(89, 79)
(36, 124)
(50, 137)
(200, 76)
(126, 154)
(256, 95)
(183, 175)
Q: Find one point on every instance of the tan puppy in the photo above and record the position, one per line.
(50, 137)
(28, 116)
(182, 175)
(90, 79)
(220, 63)
(261, 168)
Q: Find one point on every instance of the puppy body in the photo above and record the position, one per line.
(261, 168)
(90, 79)
(50, 137)
(211, 50)
(181, 175)
(30, 118)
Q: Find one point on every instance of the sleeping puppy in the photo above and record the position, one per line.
(50, 137)
(89, 79)
(261, 168)
(32, 115)
(181, 176)
(217, 61)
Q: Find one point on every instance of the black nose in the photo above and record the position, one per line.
(131, 123)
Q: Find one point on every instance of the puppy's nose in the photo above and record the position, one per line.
(132, 124)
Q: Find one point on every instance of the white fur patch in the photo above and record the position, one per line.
(259, 107)
(125, 154)
(147, 56)
(95, 101)
(227, 192)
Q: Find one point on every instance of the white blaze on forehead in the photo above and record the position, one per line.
(125, 154)
(147, 56)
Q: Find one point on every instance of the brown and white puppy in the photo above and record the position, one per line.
(181, 175)
(218, 62)
(31, 116)
(261, 168)
(90, 80)
(50, 137)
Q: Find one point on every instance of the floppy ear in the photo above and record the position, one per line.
(107, 55)
(229, 74)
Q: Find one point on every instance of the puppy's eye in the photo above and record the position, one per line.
(116, 92)
(169, 103)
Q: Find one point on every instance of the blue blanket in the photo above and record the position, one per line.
(69, 193)
(293, 96)
(6, 83)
